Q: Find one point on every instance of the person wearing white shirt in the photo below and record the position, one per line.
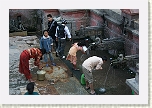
(92, 63)
(61, 32)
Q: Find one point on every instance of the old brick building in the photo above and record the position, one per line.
(116, 23)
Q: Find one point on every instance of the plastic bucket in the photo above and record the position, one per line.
(83, 79)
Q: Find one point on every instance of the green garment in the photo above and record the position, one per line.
(34, 93)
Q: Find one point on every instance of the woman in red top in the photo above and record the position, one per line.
(25, 56)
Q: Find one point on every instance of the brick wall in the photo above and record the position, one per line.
(53, 12)
(112, 19)
(95, 20)
(76, 17)
(113, 29)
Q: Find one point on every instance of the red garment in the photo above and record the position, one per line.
(24, 60)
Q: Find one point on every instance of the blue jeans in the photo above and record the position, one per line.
(61, 46)
(50, 56)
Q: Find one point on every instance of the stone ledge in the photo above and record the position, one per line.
(136, 32)
(133, 84)
(112, 20)
(70, 10)
(97, 12)
(23, 33)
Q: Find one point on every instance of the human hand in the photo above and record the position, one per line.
(40, 67)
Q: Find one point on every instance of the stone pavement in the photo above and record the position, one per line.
(17, 81)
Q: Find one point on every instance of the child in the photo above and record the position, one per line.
(30, 89)
(72, 53)
(46, 42)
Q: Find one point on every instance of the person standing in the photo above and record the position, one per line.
(61, 32)
(92, 63)
(25, 56)
(46, 42)
(52, 25)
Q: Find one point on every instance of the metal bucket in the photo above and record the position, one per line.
(41, 75)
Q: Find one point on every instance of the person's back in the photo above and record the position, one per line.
(61, 31)
(92, 62)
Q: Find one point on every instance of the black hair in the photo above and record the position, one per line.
(43, 51)
(30, 87)
(45, 31)
(104, 58)
(49, 15)
(82, 43)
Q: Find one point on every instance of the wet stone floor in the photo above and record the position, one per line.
(64, 84)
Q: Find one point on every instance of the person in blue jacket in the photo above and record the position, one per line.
(46, 42)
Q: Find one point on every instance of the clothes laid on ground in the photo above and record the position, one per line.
(72, 53)
(25, 56)
(34, 93)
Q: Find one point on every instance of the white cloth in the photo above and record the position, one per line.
(46, 38)
(67, 32)
(93, 62)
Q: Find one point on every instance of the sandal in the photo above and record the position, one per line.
(87, 88)
(93, 93)
(76, 69)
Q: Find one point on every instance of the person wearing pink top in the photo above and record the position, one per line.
(92, 63)
(77, 46)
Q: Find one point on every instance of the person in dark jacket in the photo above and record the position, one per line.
(52, 25)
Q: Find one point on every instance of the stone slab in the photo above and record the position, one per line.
(23, 33)
(133, 84)
(72, 87)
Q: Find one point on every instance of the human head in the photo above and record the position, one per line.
(45, 33)
(30, 87)
(64, 22)
(104, 58)
(81, 43)
(43, 51)
(49, 16)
